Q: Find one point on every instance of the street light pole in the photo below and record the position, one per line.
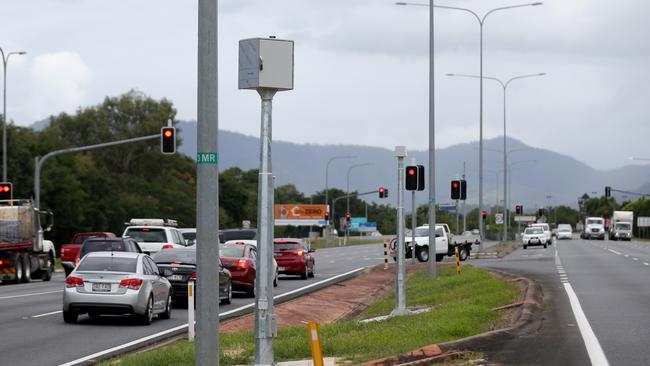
(327, 189)
(504, 86)
(481, 22)
(347, 204)
(5, 61)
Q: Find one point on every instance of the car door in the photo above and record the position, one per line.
(157, 287)
(442, 243)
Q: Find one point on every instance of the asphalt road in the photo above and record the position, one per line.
(34, 334)
(610, 281)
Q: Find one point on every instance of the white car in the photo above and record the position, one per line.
(534, 235)
(154, 235)
(189, 235)
(547, 232)
(564, 231)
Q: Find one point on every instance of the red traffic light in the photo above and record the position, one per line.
(6, 191)
(5, 188)
(411, 172)
(347, 216)
(484, 214)
(455, 184)
(381, 190)
(168, 140)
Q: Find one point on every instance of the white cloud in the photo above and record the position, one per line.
(59, 83)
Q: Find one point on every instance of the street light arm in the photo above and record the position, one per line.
(523, 77)
(478, 18)
(478, 77)
(506, 8)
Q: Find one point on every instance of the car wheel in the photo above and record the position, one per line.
(305, 275)
(275, 279)
(168, 308)
(395, 259)
(27, 268)
(439, 257)
(525, 246)
(463, 254)
(70, 317)
(545, 245)
(147, 317)
(251, 291)
(422, 254)
(228, 298)
(313, 268)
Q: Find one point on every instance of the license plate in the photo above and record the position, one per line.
(280, 268)
(176, 277)
(101, 287)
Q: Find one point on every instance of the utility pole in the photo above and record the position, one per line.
(207, 188)
(464, 212)
(413, 219)
(400, 308)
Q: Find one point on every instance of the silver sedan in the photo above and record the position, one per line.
(117, 283)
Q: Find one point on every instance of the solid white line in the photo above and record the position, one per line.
(171, 330)
(615, 252)
(32, 294)
(595, 351)
(646, 263)
(46, 314)
(635, 259)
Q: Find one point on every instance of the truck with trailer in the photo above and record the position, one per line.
(445, 243)
(24, 254)
(621, 225)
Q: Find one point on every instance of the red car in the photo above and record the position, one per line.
(70, 252)
(239, 259)
(293, 257)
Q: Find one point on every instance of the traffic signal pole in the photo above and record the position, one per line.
(400, 306)
(39, 161)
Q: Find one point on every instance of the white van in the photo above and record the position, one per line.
(547, 232)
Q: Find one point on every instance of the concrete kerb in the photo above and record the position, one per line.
(180, 331)
(526, 318)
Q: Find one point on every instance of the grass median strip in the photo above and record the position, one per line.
(460, 307)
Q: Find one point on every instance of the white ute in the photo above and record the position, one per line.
(445, 243)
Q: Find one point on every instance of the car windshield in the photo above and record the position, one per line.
(147, 235)
(102, 246)
(422, 231)
(176, 255)
(286, 245)
(79, 239)
(244, 234)
(564, 229)
(533, 230)
(235, 251)
(189, 235)
(595, 222)
(623, 226)
(108, 264)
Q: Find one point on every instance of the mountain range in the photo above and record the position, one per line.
(539, 177)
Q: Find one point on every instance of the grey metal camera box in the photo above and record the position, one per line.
(265, 63)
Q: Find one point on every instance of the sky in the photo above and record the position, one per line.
(361, 68)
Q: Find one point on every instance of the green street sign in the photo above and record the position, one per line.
(207, 158)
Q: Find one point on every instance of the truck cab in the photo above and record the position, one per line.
(594, 228)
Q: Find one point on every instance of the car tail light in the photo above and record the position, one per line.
(300, 253)
(131, 283)
(167, 246)
(63, 250)
(242, 263)
(74, 282)
(193, 276)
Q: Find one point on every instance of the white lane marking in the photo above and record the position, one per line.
(626, 256)
(31, 294)
(646, 264)
(615, 252)
(171, 330)
(595, 351)
(46, 314)
(635, 259)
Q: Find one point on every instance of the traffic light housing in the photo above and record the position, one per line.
(348, 217)
(411, 181)
(455, 189)
(168, 140)
(382, 192)
(463, 189)
(484, 215)
(608, 191)
(519, 209)
(327, 216)
(6, 191)
(385, 192)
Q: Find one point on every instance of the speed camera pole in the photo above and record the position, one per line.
(207, 190)
(400, 153)
(265, 65)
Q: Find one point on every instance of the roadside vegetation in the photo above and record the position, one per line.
(461, 307)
